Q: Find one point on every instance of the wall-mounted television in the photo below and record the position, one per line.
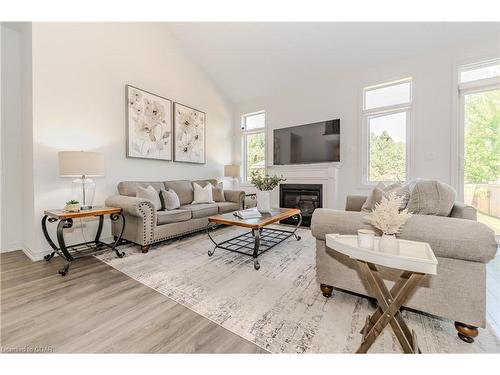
(318, 142)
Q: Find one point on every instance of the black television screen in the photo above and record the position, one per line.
(318, 142)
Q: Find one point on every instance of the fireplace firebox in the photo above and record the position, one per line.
(306, 197)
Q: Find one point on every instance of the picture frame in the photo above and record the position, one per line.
(148, 125)
(190, 126)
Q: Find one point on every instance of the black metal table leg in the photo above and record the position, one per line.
(115, 217)
(211, 252)
(256, 236)
(99, 228)
(47, 237)
(67, 223)
(297, 237)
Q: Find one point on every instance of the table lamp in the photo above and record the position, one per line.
(82, 164)
(232, 171)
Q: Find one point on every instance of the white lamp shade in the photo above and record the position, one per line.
(80, 163)
(232, 170)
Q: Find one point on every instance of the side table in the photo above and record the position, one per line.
(80, 250)
(415, 260)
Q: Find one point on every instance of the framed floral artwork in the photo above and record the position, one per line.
(149, 125)
(189, 134)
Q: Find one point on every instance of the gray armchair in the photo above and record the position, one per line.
(461, 244)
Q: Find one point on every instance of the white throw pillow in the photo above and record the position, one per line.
(202, 194)
(151, 194)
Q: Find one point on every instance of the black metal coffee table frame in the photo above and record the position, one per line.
(256, 242)
(83, 249)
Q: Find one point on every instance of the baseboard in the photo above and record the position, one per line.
(12, 247)
(34, 256)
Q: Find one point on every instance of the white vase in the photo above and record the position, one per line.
(389, 244)
(264, 201)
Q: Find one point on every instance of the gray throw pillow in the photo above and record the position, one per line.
(381, 190)
(430, 197)
(218, 193)
(149, 193)
(170, 199)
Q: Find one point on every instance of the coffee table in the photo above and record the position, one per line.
(415, 260)
(259, 239)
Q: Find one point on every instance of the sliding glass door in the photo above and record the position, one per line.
(480, 119)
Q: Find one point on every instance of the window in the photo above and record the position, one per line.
(478, 71)
(385, 134)
(253, 139)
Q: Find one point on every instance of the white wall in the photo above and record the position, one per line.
(340, 97)
(12, 181)
(79, 77)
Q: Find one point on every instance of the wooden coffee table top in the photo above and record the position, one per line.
(275, 215)
(96, 211)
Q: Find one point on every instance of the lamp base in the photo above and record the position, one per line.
(83, 208)
(83, 190)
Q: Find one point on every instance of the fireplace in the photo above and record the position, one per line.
(306, 197)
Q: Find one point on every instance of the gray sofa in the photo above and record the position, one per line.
(144, 225)
(462, 246)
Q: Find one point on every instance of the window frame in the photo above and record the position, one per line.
(368, 114)
(244, 135)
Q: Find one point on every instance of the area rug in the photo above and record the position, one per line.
(280, 307)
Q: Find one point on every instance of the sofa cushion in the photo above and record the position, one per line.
(183, 188)
(201, 210)
(204, 182)
(429, 197)
(151, 194)
(227, 207)
(129, 188)
(169, 199)
(173, 216)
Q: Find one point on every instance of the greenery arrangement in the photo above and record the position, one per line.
(386, 215)
(72, 202)
(265, 183)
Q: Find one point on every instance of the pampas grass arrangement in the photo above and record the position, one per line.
(386, 215)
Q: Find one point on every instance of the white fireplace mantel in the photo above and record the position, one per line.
(325, 174)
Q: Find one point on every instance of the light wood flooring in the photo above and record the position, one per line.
(98, 309)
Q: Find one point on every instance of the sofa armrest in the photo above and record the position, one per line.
(138, 207)
(325, 221)
(355, 202)
(463, 211)
(237, 196)
(452, 238)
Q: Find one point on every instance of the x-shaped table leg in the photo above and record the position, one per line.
(389, 303)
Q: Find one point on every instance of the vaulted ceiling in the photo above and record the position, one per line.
(247, 60)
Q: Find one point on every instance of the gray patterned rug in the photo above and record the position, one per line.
(279, 307)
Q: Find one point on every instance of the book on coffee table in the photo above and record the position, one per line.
(251, 213)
